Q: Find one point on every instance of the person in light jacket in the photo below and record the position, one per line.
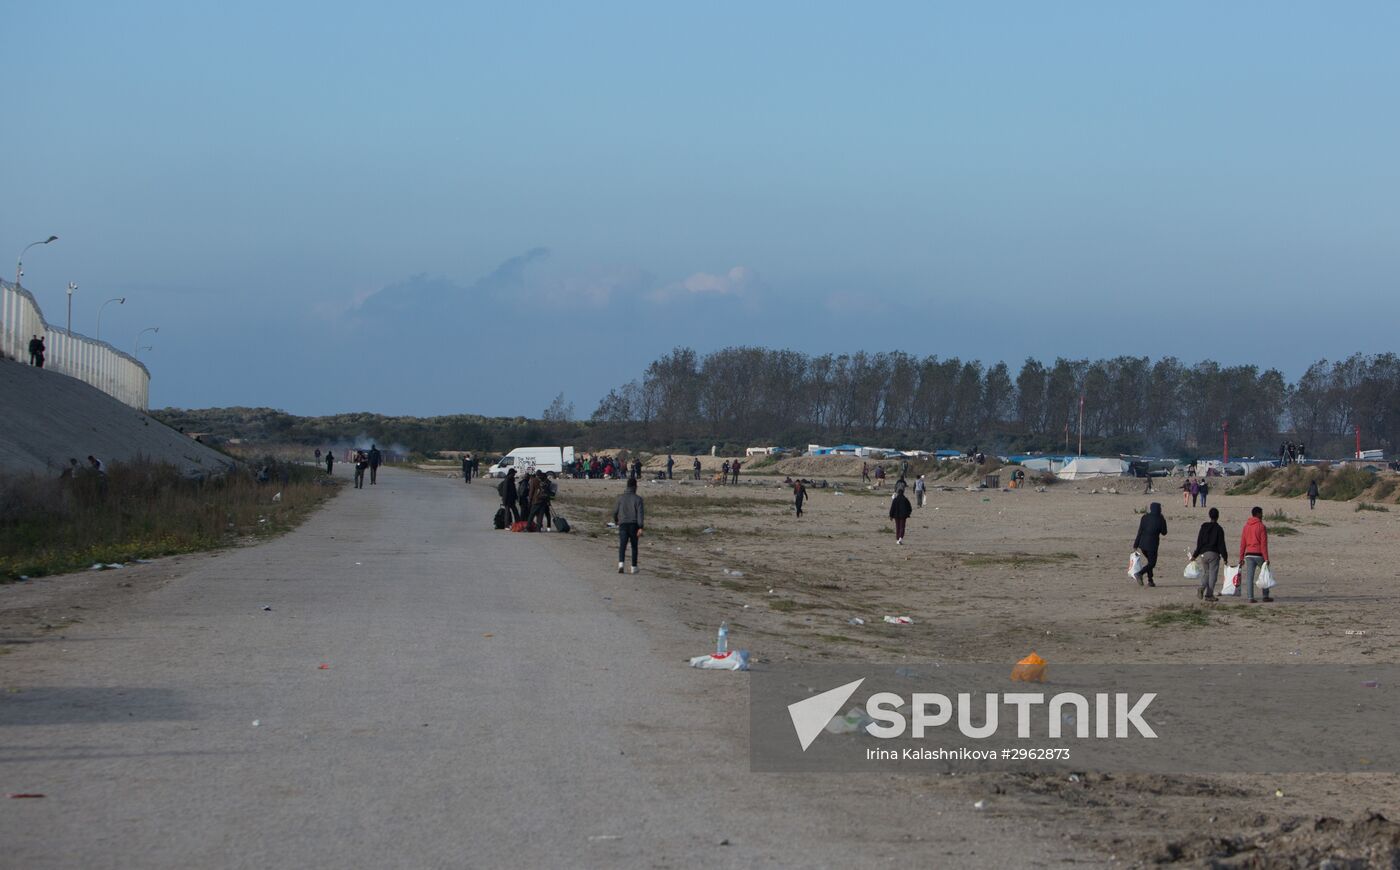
(631, 519)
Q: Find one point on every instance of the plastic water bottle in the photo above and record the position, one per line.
(722, 639)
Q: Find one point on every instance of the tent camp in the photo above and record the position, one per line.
(1089, 467)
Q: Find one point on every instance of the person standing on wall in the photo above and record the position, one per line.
(375, 458)
(630, 517)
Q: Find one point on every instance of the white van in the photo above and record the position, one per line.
(527, 459)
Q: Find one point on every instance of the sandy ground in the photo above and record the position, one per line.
(989, 576)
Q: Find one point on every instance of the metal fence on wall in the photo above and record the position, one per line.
(117, 374)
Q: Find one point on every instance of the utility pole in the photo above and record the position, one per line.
(71, 288)
(1225, 427)
(1081, 424)
(1358, 442)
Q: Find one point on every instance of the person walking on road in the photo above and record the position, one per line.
(467, 468)
(330, 462)
(1151, 530)
(1312, 494)
(799, 495)
(900, 509)
(375, 458)
(361, 463)
(1254, 551)
(1211, 551)
(629, 515)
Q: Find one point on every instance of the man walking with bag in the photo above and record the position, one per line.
(1210, 551)
(1254, 552)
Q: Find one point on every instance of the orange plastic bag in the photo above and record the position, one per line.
(1030, 669)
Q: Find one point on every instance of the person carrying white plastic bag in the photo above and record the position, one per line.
(1254, 553)
(1230, 585)
(1209, 555)
(1136, 562)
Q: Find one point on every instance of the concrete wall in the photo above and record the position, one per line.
(117, 374)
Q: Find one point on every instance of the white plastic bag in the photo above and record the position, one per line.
(1265, 578)
(1230, 583)
(1136, 562)
(1193, 570)
(729, 661)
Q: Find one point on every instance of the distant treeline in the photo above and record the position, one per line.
(746, 396)
(1131, 404)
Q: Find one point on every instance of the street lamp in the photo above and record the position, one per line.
(71, 288)
(141, 333)
(144, 347)
(19, 261)
(120, 300)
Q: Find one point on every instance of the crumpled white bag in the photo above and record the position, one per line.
(1193, 570)
(734, 660)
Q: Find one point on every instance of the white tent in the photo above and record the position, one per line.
(1043, 463)
(1088, 467)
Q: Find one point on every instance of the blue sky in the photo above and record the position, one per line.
(452, 207)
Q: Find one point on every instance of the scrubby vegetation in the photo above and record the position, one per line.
(144, 509)
(1334, 483)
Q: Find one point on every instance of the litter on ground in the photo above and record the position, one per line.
(899, 620)
(734, 660)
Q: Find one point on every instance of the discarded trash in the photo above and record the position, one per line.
(1370, 684)
(277, 497)
(612, 525)
(1356, 632)
(1278, 792)
(980, 805)
(488, 634)
(143, 561)
(107, 566)
(706, 531)
(855, 620)
(1074, 777)
(595, 838)
(23, 795)
(850, 722)
(257, 722)
(1030, 669)
(323, 666)
(734, 660)
(267, 607)
(733, 573)
(722, 639)
(899, 620)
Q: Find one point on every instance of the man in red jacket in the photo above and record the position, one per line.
(1254, 550)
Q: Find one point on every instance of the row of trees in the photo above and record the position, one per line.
(1130, 404)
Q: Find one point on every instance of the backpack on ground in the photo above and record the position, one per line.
(561, 524)
(500, 521)
(519, 526)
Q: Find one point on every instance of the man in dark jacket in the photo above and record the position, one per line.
(670, 467)
(1211, 551)
(466, 468)
(375, 459)
(1312, 494)
(799, 495)
(630, 517)
(696, 466)
(1151, 530)
(508, 496)
(330, 462)
(900, 509)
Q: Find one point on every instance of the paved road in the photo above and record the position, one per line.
(487, 703)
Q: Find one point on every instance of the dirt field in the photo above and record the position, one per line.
(989, 576)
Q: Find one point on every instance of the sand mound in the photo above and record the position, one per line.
(46, 417)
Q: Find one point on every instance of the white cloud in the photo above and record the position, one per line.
(736, 282)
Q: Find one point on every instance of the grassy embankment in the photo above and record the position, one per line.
(143, 510)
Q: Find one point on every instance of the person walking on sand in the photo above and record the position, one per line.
(1312, 494)
(506, 489)
(1195, 491)
(330, 462)
(1205, 490)
(879, 477)
(630, 517)
(1210, 550)
(361, 463)
(1186, 492)
(1254, 551)
(865, 472)
(467, 468)
(1151, 530)
(799, 495)
(900, 509)
(919, 491)
(375, 458)
(696, 467)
